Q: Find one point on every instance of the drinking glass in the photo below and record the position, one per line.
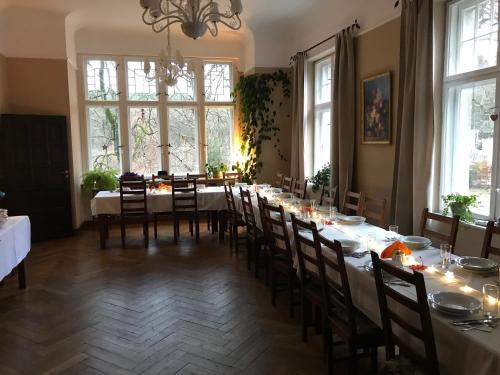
(372, 242)
(490, 300)
(394, 229)
(333, 213)
(445, 252)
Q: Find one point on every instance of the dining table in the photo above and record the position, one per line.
(106, 204)
(15, 244)
(459, 351)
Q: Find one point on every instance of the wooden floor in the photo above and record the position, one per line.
(186, 309)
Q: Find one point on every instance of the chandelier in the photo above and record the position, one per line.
(168, 68)
(195, 16)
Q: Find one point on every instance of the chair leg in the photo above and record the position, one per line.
(176, 223)
(329, 351)
(191, 227)
(249, 244)
(256, 251)
(291, 285)
(231, 239)
(267, 266)
(374, 359)
(273, 287)
(122, 231)
(197, 228)
(305, 315)
(236, 241)
(352, 359)
(146, 233)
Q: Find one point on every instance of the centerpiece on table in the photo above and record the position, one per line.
(460, 205)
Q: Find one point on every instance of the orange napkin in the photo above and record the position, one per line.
(387, 253)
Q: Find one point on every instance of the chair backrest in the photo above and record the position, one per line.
(201, 178)
(306, 251)
(231, 206)
(231, 177)
(335, 285)
(248, 212)
(353, 203)
(133, 196)
(261, 201)
(276, 232)
(492, 230)
(300, 189)
(450, 237)
(374, 211)
(279, 180)
(328, 196)
(160, 178)
(392, 303)
(184, 196)
(288, 184)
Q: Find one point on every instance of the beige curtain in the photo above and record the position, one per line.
(415, 133)
(343, 114)
(297, 157)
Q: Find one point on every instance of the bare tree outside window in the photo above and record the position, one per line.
(219, 124)
(183, 140)
(104, 137)
(145, 140)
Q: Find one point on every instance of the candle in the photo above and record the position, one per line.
(466, 289)
(449, 276)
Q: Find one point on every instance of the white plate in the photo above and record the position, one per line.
(476, 264)
(349, 246)
(454, 303)
(416, 242)
(351, 220)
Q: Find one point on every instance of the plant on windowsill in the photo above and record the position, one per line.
(254, 94)
(322, 177)
(99, 179)
(460, 205)
(216, 170)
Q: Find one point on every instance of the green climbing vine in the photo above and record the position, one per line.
(255, 96)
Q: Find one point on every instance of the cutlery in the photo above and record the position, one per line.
(494, 321)
(360, 255)
(397, 283)
(478, 328)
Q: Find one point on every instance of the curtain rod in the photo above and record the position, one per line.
(355, 25)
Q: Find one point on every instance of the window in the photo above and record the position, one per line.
(144, 127)
(322, 112)
(470, 153)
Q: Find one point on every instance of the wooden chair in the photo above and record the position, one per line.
(133, 205)
(202, 179)
(280, 255)
(491, 231)
(288, 184)
(300, 189)
(254, 236)
(374, 211)
(343, 319)
(231, 177)
(185, 206)
(234, 219)
(311, 298)
(452, 222)
(279, 180)
(328, 196)
(161, 178)
(392, 316)
(353, 203)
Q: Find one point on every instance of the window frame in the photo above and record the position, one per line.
(454, 82)
(124, 103)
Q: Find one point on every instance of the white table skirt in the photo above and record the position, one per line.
(15, 243)
(470, 352)
(209, 199)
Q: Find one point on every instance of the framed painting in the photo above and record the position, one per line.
(376, 109)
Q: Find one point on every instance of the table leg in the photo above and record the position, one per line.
(21, 274)
(103, 229)
(214, 219)
(222, 224)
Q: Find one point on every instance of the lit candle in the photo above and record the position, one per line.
(449, 276)
(431, 269)
(466, 289)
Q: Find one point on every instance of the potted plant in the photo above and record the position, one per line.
(460, 205)
(99, 179)
(322, 177)
(216, 170)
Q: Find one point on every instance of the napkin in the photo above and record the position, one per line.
(389, 250)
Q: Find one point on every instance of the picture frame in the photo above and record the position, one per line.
(376, 109)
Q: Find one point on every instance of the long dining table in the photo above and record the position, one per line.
(107, 203)
(459, 352)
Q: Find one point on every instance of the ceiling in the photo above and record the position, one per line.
(126, 14)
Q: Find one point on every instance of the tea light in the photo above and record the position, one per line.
(409, 260)
(431, 269)
(449, 276)
(466, 289)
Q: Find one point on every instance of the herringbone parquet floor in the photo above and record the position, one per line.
(186, 309)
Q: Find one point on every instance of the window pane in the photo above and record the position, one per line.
(183, 140)
(219, 126)
(104, 137)
(185, 89)
(323, 83)
(475, 38)
(102, 83)
(218, 82)
(145, 139)
(322, 137)
(140, 88)
(470, 141)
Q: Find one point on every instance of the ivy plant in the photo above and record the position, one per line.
(254, 93)
(322, 177)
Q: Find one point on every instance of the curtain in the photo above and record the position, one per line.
(343, 114)
(415, 133)
(297, 157)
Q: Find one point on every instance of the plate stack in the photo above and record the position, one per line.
(454, 303)
(349, 246)
(416, 242)
(3, 216)
(350, 220)
(479, 265)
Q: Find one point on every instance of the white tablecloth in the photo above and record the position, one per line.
(467, 353)
(209, 199)
(15, 243)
